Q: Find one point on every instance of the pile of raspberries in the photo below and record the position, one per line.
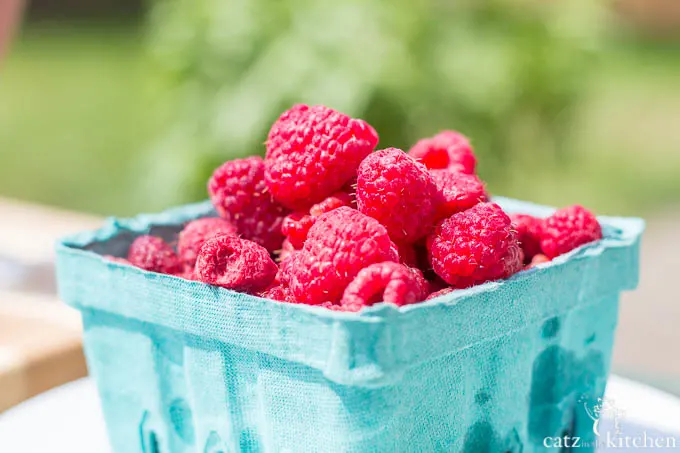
(325, 220)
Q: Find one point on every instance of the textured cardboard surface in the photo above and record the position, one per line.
(185, 367)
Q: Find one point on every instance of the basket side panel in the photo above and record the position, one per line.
(139, 370)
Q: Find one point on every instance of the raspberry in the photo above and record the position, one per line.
(279, 293)
(153, 254)
(239, 194)
(475, 246)
(295, 227)
(538, 259)
(187, 274)
(458, 192)
(235, 263)
(448, 149)
(567, 229)
(383, 282)
(335, 307)
(286, 249)
(312, 152)
(285, 269)
(195, 233)
(335, 201)
(408, 254)
(398, 192)
(339, 245)
(421, 283)
(529, 234)
(440, 292)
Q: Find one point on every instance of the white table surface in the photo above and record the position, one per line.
(69, 419)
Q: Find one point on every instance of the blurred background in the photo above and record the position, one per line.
(115, 107)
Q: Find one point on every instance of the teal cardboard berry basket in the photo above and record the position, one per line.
(185, 367)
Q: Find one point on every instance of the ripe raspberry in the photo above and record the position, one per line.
(295, 227)
(529, 234)
(475, 246)
(458, 192)
(235, 263)
(187, 274)
(408, 254)
(383, 282)
(440, 292)
(335, 201)
(195, 233)
(398, 192)
(335, 307)
(286, 249)
(567, 229)
(285, 268)
(339, 245)
(239, 194)
(279, 293)
(447, 149)
(538, 259)
(312, 152)
(153, 254)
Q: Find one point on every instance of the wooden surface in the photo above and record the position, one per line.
(40, 338)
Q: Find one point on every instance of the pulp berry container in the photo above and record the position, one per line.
(182, 366)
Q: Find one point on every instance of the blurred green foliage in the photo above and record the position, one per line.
(506, 73)
(74, 116)
(79, 101)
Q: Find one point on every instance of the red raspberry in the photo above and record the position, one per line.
(295, 227)
(334, 307)
(475, 246)
(312, 152)
(383, 282)
(187, 275)
(235, 263)
(567, 229)
(335, 201)
(286, 249)
(339, 245)
(285, 269)
(529, 234)
(458, 192)
(408, 255)
(239, 194)
(279, 293)
(448, 149)
(398, 192)
(440, 292)
(423, 284)
(153, 254)
(195, 233)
